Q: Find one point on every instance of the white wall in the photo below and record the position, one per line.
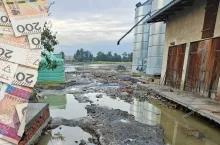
(217, 26)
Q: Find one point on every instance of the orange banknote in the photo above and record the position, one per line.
(27, 17)
(17, 50)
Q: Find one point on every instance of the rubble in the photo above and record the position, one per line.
(113, 126)
(121, 67)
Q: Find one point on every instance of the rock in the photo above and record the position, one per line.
(99, 96)
(121, 67)
(82, 142)
(76, 141)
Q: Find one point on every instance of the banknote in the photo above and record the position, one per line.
(8, 114)
(27, 17)
(21, 111)
(7, 71)
(2, 90)
(9, 134)
(35, 41)
(3, 142)
(21, 42)
(6, 30)
(27, 42)
(10, 122)
(5, 23)
(25, 76)
(4, 19)
(18, 51)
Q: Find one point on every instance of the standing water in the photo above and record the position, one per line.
(177, 130)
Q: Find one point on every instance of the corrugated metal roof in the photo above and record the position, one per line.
(168, 10)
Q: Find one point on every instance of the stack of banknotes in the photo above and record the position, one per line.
(21, 25)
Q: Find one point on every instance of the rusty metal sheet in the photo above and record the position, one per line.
(175, 65)
(210, 18)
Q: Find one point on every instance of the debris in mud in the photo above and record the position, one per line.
(121, 67)
(99, 96)
(82, 99)
(192, 132)
(113, 126)
(82, 142)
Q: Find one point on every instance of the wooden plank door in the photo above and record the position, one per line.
(175, 63)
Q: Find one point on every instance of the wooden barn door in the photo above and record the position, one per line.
(175, 62)
(216, 70)
(204, 68)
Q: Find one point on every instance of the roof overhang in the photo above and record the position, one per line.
(163, 14)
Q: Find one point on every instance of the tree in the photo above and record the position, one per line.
(83, 56)
(48, 41)
(109, 56)
(130, 57)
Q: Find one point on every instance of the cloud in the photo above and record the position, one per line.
(93, 22)
(94, 28)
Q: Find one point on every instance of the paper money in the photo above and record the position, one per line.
(4, 19)
(27, 17)
(7, 108)
(17, 51)
(9, 134)
(21, 109)
(2, 91)
(22, 42)
(5, 23)
(7, 71)
(9, 119)
(35, 41)
(10, 40)
(2, 142)
(6, 28)
(25, 77)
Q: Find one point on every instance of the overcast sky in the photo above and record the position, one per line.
(95, 25)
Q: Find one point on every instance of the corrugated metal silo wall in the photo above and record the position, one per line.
(156, 41)
(141, 35)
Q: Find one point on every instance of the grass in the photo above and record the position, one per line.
(139, 74)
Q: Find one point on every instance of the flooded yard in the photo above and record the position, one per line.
(177, 130)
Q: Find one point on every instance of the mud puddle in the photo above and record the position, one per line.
(177, 130)
(65, 136)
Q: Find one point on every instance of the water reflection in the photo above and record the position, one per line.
(64, 136)
(66, 106)
(145, 112)
(177, 130)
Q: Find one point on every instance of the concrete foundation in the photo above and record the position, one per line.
(205, 107)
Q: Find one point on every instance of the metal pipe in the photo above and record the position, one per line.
(133, 28)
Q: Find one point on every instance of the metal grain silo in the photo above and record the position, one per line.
(156, 41)
(141, 36)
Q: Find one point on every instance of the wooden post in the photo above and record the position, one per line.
(185, 64)
(218, 91)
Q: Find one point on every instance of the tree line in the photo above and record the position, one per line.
(82, 55)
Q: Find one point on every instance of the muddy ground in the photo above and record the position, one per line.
(109, 126)
(106, 125)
